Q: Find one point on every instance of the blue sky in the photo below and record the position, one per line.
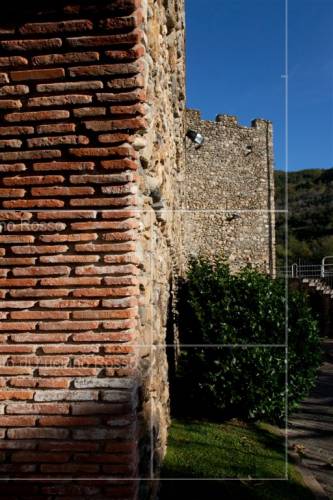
(236, 59)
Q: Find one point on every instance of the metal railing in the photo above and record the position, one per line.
(322, 272)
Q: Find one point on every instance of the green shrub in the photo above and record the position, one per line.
(247, 310)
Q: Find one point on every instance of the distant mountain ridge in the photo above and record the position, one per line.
(310, 205)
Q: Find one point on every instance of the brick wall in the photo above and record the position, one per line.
(72, 94)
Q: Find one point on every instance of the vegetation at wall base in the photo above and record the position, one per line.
(205, 450)
(234, 320)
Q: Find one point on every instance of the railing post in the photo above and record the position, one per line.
(294, 272)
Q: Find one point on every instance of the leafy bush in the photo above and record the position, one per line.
(247, 310)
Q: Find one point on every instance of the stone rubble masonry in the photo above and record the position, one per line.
(229, 198)
(80, 109)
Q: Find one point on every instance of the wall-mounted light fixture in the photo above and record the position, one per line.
(233, 216)
(195, 137)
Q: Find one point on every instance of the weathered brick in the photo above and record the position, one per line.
(57, 27)
(14, 325)
(91, 314)
(4, 78)
(71, 468)
(59, 100)
(12, 193)
(37, 116)
(10, 104)
(113, 151)
(17, 304)
(61, 303)
(65, 446)
(114, 247)
(54, 238)
(28, 456)
(130, 123)
(61, 191)
(40, 142)
(38, 250)
(82, 112)
(119, 97)
(65, 396)
(30, 155)
(35, 292)
(39, 337)
(14, 90)
(31, 180)
(39, 315)
(37, 74)
(17, 260)
(15, 394)
(61, 215)
(15, 370)
(18, 130)
(13, 61)
(10, 143)
(13, 421)
(69, 86)
(36, 433)
(66, 372)
(104, 70)
(133, 82)
(68, 325)
(63, 166)
(47, 203)
(114, 138)
(69, 57)
(13, 167)
(101, 179)
(14, 349)
(40, 360)
(27, 45)
(38, 408)
(116, 270)
(128, 55)
(69, 349)
(132, 38)
(55, 128)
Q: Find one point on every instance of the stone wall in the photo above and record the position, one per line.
(91, 146)
(229, 198)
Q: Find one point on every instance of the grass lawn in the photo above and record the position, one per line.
(205, 450)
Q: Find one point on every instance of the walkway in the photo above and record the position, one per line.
(311, 427)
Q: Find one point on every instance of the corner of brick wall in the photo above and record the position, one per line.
(72, 107)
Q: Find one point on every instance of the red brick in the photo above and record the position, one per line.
(37, 74)
(17, 260)
(89, 112)
(17, 130)
(35, 292)
(115, 138)
(68, 325)
(102, 179)
(99, 202)
(116, 23)
(17, 282)
(15, 370)
(30, 155)
(69, 86)
(35, 179)
(70, 281)
(48, 203)
(14, 167)
(61, 215)
(65, 303)
(70, 57)
(114, 247)
(39, 337)
(128, 55)
(130, 123)
(38, 408)
(27, 45)
(40, 360)
(12, 193)
(57, 27)
(39, 315)
(118, 97)
(13, 61)
(28, 456)
(14, 349)
(67, 446)
(59, 100)
(17, 394)
(126, 83)
(105, 40)
(85, 165)
(117, 270)
(39, 142)
(69, 349)
(105, 69)
(16, 238)
(67, 421)
(90, 314)
(17, 304)
(61, 191)
(4, 77)
(105, 292)
(56, 238)
(14, 90)
(67, 372)
(40, 270)
(16, 421)
(38, 250)
(35, 433)
(37, 116)
(55, 128)
(70, 469)
(10, 143)
(10, 104)
(111, 151)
